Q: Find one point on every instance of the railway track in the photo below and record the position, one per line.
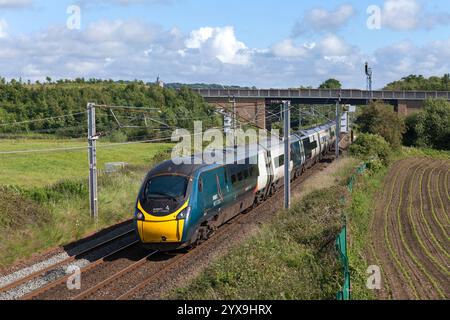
(122, 275)
(85, 253)
(113, 286)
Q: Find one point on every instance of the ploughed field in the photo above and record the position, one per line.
(410, 230)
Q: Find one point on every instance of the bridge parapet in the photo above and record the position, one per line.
(347, 94)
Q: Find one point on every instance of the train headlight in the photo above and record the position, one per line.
(140, 216)
(184, 214)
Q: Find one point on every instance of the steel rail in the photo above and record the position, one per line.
(114, 277)
(92, 265)
(43, 271)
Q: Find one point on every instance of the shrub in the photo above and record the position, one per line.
(379, 118)
(18, 212)
(118, 137)
(430, 127)
(372, 148)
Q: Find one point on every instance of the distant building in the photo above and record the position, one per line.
(159, 82)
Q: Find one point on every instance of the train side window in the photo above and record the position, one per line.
(233, 179)
(280, 161)
(313, 145)
(240, 176)
(246, 174)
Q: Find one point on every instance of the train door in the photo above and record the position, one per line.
(307, 149)
(223, 186)
(295, 154)
(208, 192)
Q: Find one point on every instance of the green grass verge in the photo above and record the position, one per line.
(360, 215)
(292, 258)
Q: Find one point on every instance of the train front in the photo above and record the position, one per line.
(162, 211)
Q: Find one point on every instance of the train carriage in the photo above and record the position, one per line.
(183, 204)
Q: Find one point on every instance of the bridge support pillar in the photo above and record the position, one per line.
(248, 109)
(405, 108)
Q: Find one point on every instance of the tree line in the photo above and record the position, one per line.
(22, 102)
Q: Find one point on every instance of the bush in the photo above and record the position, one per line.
(118, 137)
(430, 127)
(379, 118)
(18, 212)
(372, 148)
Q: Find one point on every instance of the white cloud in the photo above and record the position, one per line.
(288, 49)
(405, 58)
(401, 14)
(14, 4)
(320, 20)
(410, 14)
(3, 28)
(332, 45)
(199, 37)
(135, 50)
(219, 43)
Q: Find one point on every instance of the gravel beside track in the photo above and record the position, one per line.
(53, 264)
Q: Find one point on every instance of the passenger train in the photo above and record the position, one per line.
(181, 205)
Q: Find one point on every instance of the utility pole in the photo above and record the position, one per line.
(287, 155)
(235, 121)
(369, 75)
(338, 125)
(300, 118)
(92, 139)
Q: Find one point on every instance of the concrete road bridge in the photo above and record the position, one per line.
(251, 103)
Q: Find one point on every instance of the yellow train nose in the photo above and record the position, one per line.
(161, 231)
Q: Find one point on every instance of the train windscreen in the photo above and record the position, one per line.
(164, 187)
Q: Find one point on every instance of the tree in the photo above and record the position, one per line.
(371, 148)
(331, 84)
(430, 127)
(379, 118)
(419, 82)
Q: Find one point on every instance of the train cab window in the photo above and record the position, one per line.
(163, 187)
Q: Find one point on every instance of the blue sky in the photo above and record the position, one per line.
(265, 43)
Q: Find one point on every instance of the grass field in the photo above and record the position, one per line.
(39, 169)
(44, 196)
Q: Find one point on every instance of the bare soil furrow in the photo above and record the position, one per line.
(431, 272)
(407, 231)
(402, 286)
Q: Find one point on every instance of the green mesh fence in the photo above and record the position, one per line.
(341, 244)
